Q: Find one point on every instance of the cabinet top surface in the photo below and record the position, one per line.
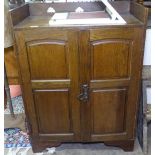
(44, 21)
(41, 19)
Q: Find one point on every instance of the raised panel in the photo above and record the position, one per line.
(53, 111)
(48, 59)
(111, 33)
(110, 59)
(108, 111)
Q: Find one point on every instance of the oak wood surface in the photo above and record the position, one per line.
(84, 58)
(127, 145)
(43, 21)
(55, 53)
(105, 62)
(20, 13)
(54, 95)
(139, 11)
(38, 16)
(108, 111)
(53, 108)
(47, 84)
(110, 59)
(53, 111)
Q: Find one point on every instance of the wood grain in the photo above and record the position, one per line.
(108, 109)
(48, 60)
(127, 145)
(132, 83)
(56, 61)
(110, 59)
(53, 100)
(139, 11)
(20, 13)
(99, 84)
(49, 84)
(84, 59)
(53, 111)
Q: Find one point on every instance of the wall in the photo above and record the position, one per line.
(147, 58)
(147, 50)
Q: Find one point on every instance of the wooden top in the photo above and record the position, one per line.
(43, 21)
(34, 20)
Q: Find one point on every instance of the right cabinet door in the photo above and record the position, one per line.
(115, 66)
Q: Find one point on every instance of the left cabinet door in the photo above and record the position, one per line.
(48, 61)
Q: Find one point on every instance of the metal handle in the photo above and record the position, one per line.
(84, 95)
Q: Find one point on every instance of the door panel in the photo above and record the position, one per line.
(53, 111)
(49, 72)
(110, 62)
(108, 109)
(114, 72)
(48, 59)
(110, 59)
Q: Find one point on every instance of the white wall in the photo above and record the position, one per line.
(148, 92)
(147, 58)
(147, 50)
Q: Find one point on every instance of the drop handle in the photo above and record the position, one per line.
(84, 96)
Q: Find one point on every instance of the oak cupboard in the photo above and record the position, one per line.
(101, 66)
(80, 84)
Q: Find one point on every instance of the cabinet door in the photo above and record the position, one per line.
(114, 59)
(48, 62)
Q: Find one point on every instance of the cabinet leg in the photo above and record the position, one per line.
(41, 146)
(126, 145)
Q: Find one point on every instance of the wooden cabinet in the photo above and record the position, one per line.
(80, 85)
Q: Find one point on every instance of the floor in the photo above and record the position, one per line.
(80, 149)
(149, 140)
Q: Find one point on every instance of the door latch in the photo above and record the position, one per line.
(84, 96)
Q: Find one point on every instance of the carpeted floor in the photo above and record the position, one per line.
(79, 149)
(17, 143)
(14, 137)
